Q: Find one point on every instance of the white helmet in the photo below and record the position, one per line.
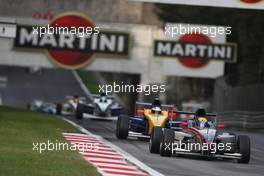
(156, 110)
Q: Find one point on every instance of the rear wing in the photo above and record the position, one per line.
(150, 105)
(193, 113)
(170, 108)
(98, 96)
(72, 97)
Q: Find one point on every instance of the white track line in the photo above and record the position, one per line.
(91, 144)
(74, 134)
(115, 165)
(126, 155)
(124, 172)
(107, 161)
(102, 156)
(98, 151)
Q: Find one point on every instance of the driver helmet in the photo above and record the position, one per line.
(103, 94)
(200, 118)
(103, 97)
(76, 98)
(156, 110)
(200, 112)
(202, 122)
(156, 102)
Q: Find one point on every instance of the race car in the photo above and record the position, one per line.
(202, 136)
(43, 107)
(70, 105)
(103, 107)
(148, 118)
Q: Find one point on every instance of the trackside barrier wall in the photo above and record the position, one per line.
(239, 106)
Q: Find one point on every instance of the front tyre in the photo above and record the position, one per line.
(122, 127)
(167, 142)
(79, 111)
(58, 109)
(155, 139)
(243, 143)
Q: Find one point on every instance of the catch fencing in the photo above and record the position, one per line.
(239, 107)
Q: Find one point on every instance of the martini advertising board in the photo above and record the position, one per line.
(71, 40)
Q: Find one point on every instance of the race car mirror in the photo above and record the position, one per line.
(172, 114)
(184, 124)
(140, 112)
(220, 126)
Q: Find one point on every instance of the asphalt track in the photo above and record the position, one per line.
(50, 86)
(181, 166)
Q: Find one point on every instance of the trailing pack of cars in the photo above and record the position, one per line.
(169, 134)
(101, 107)
(44, 107)
(68, 107)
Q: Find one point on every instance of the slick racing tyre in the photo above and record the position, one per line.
(155, 139)
(28, 106)
(122, 127)
(58, 109)
(166, 143)
(79, 111)
(243, 144)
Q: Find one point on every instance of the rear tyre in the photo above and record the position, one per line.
(167, 142)
(243, 143)
(155, 139)
(58, 109)
(28, 106)
(122, 127)
(79, 111)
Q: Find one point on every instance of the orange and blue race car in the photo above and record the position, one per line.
(148, 117)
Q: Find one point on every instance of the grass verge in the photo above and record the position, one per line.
(19, 129)
(89, 81)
